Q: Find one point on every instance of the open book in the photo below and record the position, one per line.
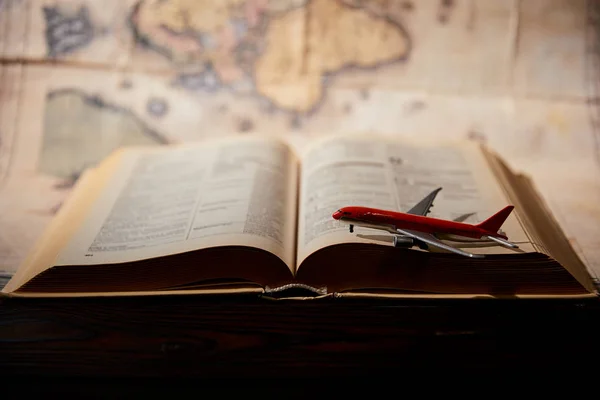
(253, 215)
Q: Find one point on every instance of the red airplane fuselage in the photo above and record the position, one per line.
(399, 220)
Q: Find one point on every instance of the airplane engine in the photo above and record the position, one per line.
(403, 241)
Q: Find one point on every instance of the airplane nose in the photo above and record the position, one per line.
(337, 214)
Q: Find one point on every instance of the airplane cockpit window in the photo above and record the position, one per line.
(346, 212)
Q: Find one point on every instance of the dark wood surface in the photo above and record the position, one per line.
(191, 336)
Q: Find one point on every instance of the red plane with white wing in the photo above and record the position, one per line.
(415, 228)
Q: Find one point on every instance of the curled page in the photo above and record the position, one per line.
(167, 201)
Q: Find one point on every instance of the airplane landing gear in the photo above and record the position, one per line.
(422, 246)
(351, 228)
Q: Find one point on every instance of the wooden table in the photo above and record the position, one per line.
(187, 336)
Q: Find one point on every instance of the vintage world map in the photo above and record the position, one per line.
(251, 46)
(81, 78)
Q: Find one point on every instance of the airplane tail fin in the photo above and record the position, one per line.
(493, 223)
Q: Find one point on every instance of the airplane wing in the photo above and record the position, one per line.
(463, 217)
(433, 241)
(422, 207)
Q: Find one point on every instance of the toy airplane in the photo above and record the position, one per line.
(415, 228)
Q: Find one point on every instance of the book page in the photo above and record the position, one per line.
(382, 173)
(176, 199)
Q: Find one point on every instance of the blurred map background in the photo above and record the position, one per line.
(80, 78)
